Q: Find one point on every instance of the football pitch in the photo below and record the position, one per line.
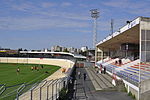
(29, 73)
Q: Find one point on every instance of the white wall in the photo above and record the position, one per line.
(58, 62)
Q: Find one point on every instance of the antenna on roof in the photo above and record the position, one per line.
(112, 26)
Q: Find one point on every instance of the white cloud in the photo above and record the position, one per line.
(32, 9)
(121, 4)
(125, 4)
(34, 23)
(130, 6)
(75, 16)
(66, 4)
(23, 6)
(48, 4)
(83, 31)
(114, 3)
(83, 5)
(42, 18)
(141, 12)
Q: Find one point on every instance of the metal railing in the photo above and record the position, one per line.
(45, 90)
(2, 88)
(19, 90)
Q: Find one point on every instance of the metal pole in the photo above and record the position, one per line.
(140, 63)
(55, 81)
(112, 26)
(56, 90)
(27, 58)
(95, 32)
(95, 38)
(47, 91)
(17, 96)
(40, 93)
(59, 84)
(95, 55)
(31, 95)
(51, 81)
(17, 60)
(52, 90)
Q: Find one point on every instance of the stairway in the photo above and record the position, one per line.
(100, 81)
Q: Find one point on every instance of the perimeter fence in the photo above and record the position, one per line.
(45, 90)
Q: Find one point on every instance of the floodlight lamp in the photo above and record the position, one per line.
(94, 13)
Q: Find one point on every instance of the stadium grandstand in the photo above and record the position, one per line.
(80, 60)
(41, 54)
(126, 55)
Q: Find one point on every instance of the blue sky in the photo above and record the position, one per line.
(38, 24)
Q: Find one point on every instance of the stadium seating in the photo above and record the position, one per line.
(128, 70)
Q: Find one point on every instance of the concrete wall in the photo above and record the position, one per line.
(58, 62)
(145, 24)
(134, 92)
(145, 95)
(130, 87)
(145, 90)
(145, 86)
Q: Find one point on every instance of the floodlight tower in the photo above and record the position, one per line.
(95, 15)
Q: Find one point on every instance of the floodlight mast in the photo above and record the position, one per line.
(95, 15)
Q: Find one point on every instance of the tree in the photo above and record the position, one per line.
(25, 50)
(20, 49)
(65, 50)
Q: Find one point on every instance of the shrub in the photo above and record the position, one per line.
(62, 94)
(130, 94)
(125, 89)
(133, 96)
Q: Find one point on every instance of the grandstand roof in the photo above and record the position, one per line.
(47, 52)
(64, 53)
(79, 56)
(127, 34)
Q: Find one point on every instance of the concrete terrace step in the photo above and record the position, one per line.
(94, 82)
(103, 80)
(99, 80)
(108, 77)
(107, 82)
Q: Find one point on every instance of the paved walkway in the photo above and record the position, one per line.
(84, 90)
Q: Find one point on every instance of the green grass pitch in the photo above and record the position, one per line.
(9, 75)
